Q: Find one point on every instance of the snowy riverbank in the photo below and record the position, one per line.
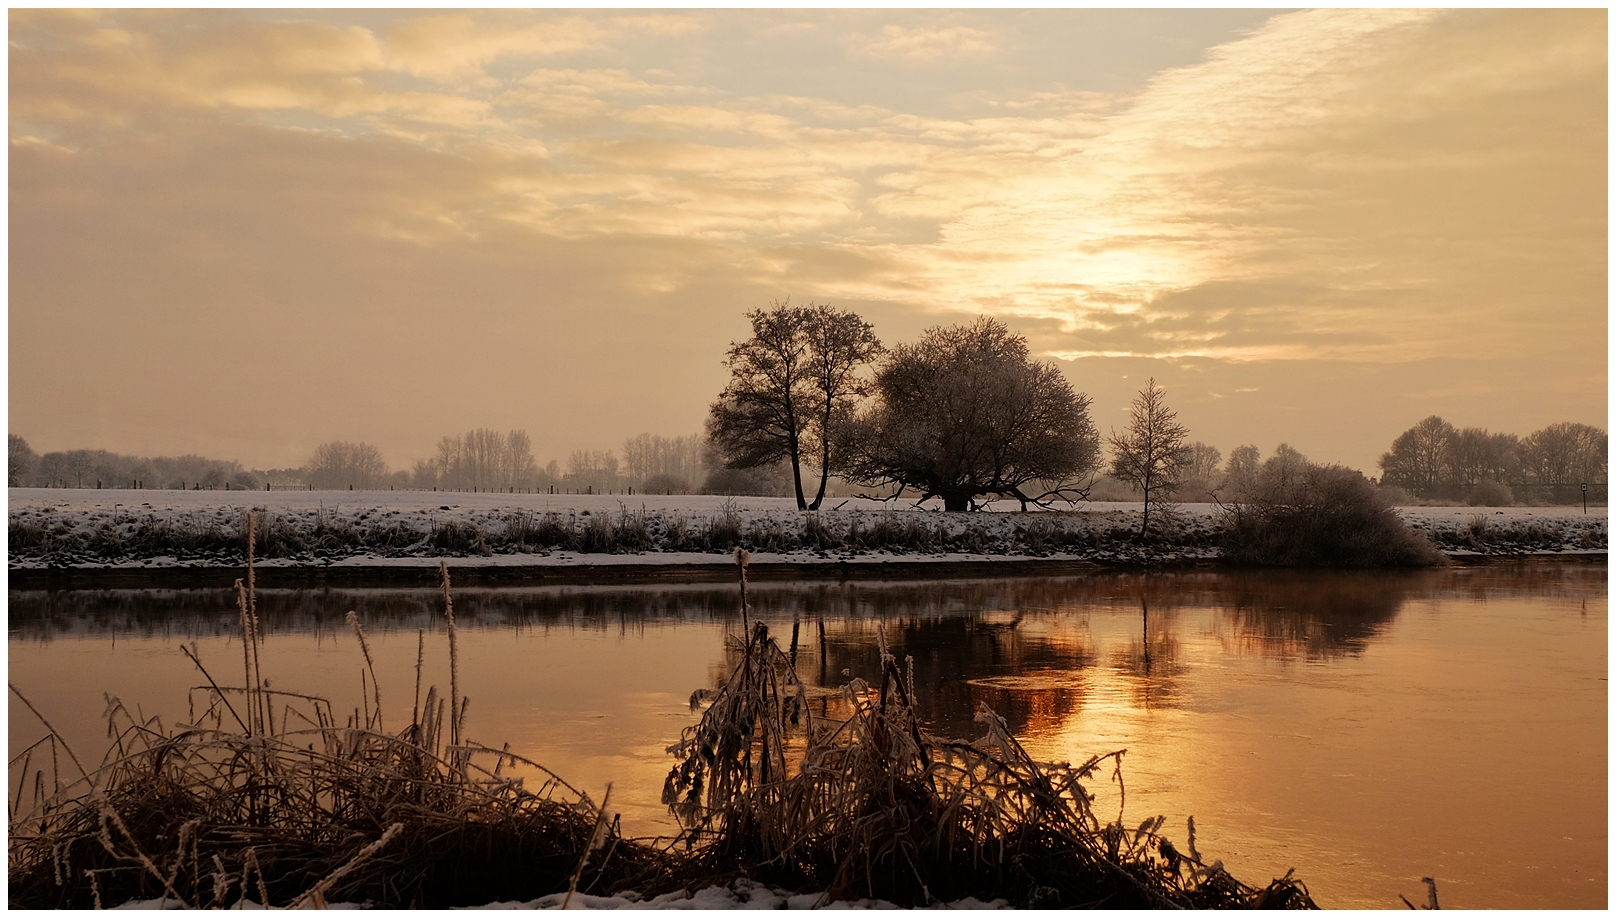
(51, 529)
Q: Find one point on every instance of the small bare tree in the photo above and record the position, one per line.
(1150, 455)
(1420, 457)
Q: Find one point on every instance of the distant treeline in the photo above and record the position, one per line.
(98, 468)
(1437, 461)
(1432, 460)
(478, 460)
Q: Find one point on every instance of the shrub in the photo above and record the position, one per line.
(815, 534)
(246, 809)
(633, 533)
(598, 534)
(769, 534)
(554, 533)
(1320, 516)
(724, 530)
(459, 538)
(1491, 494)
(665, 484)
(1396, 496)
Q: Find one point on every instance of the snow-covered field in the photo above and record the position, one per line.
(114, 528)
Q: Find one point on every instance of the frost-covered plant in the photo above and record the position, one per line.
(1300, 514)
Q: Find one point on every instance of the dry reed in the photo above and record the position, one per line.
(300, 809)
(226, 807)
(873, 806)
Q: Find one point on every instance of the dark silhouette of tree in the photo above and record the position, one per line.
(1150, 455)
(341, 464)
(20, 461)
(1476, 456)
(839, 344)
(1566, 454)
(963, 414)
(1419, 459)
(788, 383)
(1240, 474)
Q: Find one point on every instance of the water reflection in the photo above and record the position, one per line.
(1026, 647)
(1356, 707)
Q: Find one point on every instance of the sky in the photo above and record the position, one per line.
(242, 234)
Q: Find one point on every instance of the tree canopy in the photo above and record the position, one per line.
(789, 384)
(964, 414)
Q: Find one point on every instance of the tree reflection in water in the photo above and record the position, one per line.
(1029, 648)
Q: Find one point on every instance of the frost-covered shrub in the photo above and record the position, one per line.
(724, 530)
(815, 534)
(1308, 515)
(457, 538)
(768, 533)
(1491, 494)
(633, 532)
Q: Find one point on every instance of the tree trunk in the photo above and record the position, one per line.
(796, 476)
(956, 502)
(824, 462)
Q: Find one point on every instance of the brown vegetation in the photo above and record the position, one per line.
(1295, 513)
(265, 796)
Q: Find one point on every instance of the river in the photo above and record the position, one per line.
(1365, 729)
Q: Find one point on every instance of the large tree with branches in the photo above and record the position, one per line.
(790, 384)
(964, 414)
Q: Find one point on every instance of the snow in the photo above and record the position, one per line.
(82, 513)
(741, 894)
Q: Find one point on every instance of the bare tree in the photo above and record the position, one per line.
(342, 464)
(839, 345)
(481, 460)
(964, 414)
(1203, 469)
(1566, 454)
(663, 464)
(1150, 455)
(788, 383)
(78, 463)
(760, 416)
(1240, 474)
(20, 461)
(1421, 457)
(594, 470)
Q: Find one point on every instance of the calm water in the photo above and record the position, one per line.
(1365, 729)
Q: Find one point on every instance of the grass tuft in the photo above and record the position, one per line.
(275, 798)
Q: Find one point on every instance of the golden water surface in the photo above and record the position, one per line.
(1364, 729)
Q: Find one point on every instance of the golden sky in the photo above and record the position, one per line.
(243, 234)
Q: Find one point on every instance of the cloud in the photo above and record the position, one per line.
(926, 44)
(1336, 165)
(1362, 187)
(457, 47)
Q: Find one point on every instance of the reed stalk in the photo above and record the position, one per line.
(863, 804)
(454, 657)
